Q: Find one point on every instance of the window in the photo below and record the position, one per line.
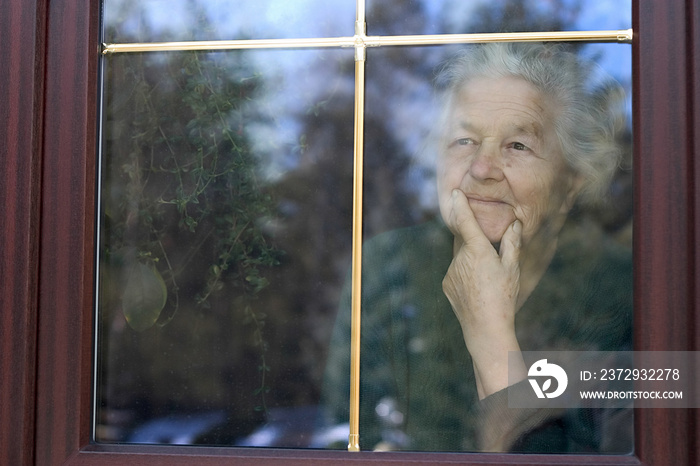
(226, 218)
(65, 353)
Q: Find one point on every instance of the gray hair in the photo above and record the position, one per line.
(587, 120)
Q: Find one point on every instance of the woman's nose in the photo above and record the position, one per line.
(487, 164)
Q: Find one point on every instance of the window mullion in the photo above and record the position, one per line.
(360, 58)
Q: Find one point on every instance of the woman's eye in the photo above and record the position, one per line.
(465, 141)
(520, 146)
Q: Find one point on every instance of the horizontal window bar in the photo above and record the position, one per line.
(624, 36)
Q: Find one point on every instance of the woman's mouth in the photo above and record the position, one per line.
(485, 201)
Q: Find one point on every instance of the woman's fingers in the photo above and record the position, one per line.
(510, 244)
(462, 219)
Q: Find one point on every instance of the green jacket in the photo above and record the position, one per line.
(417, 389)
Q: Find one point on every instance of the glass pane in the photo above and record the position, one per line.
(225, 233)
(225, 229)
(409, 17)
(418, 385)
(181, 20)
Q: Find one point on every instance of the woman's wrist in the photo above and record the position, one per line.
(497, 366)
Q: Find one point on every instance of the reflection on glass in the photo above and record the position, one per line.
(183, 20)
(226, 200)
(441, 308)
(226, 204)
(410, 17)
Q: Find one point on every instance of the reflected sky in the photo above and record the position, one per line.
(156, 20)
(165, 20)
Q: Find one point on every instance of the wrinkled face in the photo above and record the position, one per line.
(501, 150)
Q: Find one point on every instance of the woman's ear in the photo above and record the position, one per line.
(576, 184)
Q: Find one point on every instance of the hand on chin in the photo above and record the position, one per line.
(493, 221)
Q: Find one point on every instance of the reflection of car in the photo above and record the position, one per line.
(294, 427)
(176, 429)
(331, 437)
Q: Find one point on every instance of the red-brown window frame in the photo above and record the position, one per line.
(48, 126)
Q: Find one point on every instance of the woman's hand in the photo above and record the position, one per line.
(482, 286)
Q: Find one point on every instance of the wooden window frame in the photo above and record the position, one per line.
(48, 147)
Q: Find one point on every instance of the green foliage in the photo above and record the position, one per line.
(180, 186)
(257, 319)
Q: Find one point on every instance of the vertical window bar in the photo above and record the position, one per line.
(360, 28)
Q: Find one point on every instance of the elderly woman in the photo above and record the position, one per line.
(521, 141)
